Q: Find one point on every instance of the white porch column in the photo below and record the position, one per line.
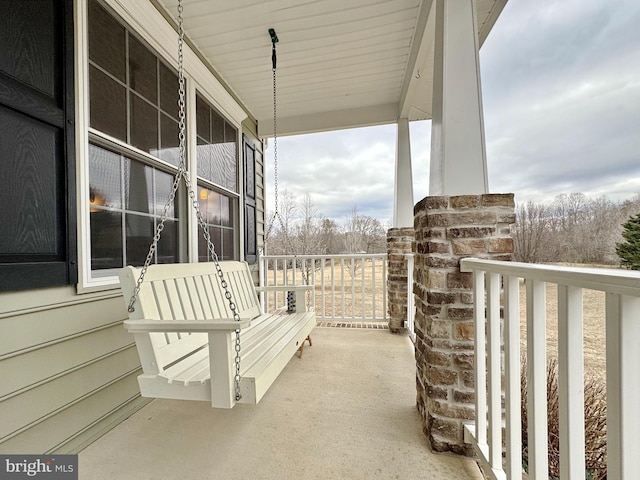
(403, 183)
(458, 157)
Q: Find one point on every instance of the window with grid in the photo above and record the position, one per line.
(133, 152)
(217, 157)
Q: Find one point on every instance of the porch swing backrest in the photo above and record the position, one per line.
(172, 292)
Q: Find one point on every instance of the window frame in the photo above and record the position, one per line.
(146, 23)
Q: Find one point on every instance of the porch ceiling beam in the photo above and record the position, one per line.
(334, 120)
(420, 64)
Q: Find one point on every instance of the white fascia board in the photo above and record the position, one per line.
(149, 23)
(420, 57)
(334, 120)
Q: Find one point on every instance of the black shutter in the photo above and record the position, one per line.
(250, 232)
(37, 169)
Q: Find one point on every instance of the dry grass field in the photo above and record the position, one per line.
(593, 329)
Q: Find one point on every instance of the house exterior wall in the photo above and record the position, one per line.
(68, 369)
(68, 366)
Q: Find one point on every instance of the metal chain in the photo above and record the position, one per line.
(276, 213)
(183, 174)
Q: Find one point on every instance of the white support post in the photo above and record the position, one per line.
(623, 385)
(571, 382)
(458, 157)
(403, 182)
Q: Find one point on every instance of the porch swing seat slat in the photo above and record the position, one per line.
(184, 331)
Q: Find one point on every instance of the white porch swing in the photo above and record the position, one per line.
(196, 339)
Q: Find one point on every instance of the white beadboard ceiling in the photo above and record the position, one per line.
(341, 63)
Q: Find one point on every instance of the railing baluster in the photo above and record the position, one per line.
(493, 360)
(570, 383)
(342, 283)
(353, 288)
(480, 351)
(623, 385)
(410, 300)
(363, 289)
(513, 417)
(373, 287)
(537, 380)
(333, 289)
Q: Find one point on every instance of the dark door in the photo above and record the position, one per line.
(37, 189)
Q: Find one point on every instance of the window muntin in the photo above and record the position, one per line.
(126, 200)
(218, 211)
(133, 95)
(217, 147)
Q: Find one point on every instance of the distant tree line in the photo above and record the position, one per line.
(302, 229)
(573, 228)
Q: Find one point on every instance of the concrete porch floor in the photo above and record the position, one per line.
(346, 410)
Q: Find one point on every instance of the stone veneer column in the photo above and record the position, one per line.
(447, 229)
(399, 243)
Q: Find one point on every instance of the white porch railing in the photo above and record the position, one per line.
(622, 368)
(346, 287)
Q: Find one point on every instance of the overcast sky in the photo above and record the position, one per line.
(561, 95)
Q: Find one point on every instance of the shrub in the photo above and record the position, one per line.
(595, 417)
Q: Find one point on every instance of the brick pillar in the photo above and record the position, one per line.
(446, 230)
(399, 243)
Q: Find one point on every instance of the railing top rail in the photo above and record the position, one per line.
(320, 257)
(624, 282)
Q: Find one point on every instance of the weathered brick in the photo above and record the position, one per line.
(442, 262)
(470, 232)
(464, 397)
(465, 201)
(460, 280)
(439, 329)
(501, 245)
(438, 219)
(463, 330)
(464, 360)
(431, 203)
(441, 376)
(468, 246)
(437, 392)
(454, 411)
(469, 378)
(439, 298)
(437, 358)
(436, 279)
(435, 233)
(498, 200)
(439, 247)
(460, 313)
(466, 298)
(506, 218)
(444, 428)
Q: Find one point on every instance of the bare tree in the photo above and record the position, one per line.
(363, 234)
(532, 233)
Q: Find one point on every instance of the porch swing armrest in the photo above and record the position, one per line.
(145, 325)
